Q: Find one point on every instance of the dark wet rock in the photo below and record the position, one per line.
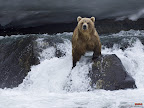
(108, 73)
(50, 41)
(120, 42)
(142, 39)
(18, 54)
(16, 58)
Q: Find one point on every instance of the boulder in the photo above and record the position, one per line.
(16, 58)
(18, 54)
(109, 73)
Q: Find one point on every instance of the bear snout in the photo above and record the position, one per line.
(84, 27)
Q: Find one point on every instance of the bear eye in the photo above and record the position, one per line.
(88, 23)
(82, 23)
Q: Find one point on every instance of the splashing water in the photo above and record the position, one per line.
(52, 83)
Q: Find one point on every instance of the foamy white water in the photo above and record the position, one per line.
(48, 85)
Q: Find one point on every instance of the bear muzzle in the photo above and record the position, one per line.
(84, 27)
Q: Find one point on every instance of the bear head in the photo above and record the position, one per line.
(85, 25)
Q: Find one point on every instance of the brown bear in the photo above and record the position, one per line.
(85, 38)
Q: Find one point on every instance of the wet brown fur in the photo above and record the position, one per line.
(87, 40)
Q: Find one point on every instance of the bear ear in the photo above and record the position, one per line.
(79, 18)
(93, 19)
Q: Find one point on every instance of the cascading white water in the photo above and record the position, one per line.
(54, 74)
(48, 85)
